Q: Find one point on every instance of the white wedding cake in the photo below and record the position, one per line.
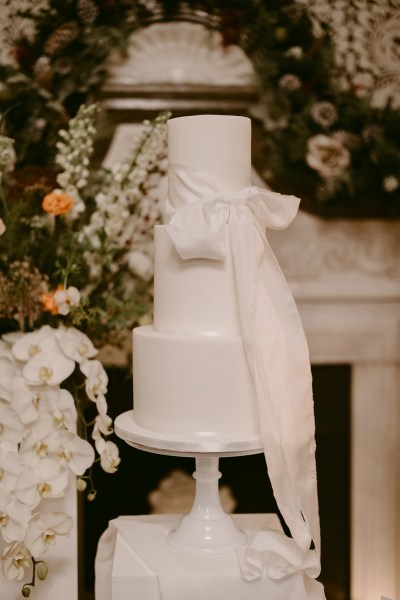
(190, 370)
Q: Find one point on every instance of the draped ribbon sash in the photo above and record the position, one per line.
(274, 340)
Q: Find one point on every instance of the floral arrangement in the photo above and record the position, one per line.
(319, 139)
(76, 246)
(75, 273)
(48, 376)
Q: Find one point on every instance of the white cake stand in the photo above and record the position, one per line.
(206, 528)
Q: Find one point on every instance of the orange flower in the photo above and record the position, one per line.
(49, 303)
(57, 203)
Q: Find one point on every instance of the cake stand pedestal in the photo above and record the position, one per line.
(206, 528)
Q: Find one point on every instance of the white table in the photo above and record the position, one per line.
(135, 561)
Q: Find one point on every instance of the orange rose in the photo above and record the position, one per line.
(57, 203)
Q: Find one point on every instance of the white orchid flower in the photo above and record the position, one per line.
(60, 406)
(11, 426)
(16, 559)
(43, 529)
(24, 400)
(96, 378)
(101, 404)
(102, 426)
(75, 344)
(47, 479)
(75, 452)
(14, 517)
(109, 455)
(41, 441)
(10, 467)
(50, 366)
(66, 298)
(33, 343)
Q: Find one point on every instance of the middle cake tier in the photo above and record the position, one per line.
(194, 295)
(192, 383)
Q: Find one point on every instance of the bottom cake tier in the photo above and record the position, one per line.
(197, 383)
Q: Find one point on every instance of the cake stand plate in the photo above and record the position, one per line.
(206, 528)
(219, 444)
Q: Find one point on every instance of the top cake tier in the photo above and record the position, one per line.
(217, 145)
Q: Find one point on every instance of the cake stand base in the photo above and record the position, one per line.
(206, 528)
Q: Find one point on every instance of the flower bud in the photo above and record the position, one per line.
(81, 484)
(26, 590)
(42, 570)
(91, 496)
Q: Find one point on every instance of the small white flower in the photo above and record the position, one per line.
(47, 479)
(75, 344)
(109, 455)
(16, 559)
(59, 405)
(97, 380)
(14, 517)
(67, 298)
(390, 183)
(2, 226)
(295, 51)
(40, 441)
(102, 426)
(75, 452)
(43, 529)
(51, 367)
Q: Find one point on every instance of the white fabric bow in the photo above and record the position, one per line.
(275, 344)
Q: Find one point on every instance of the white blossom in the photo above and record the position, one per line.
(16, 559)
(109, 455)
(2, 226)
(50, 367)
(67, 298)
(43, 529)
(96, 378)
(102, 426)
(75, 452)
(59, 405)
(391, 183)
(47, 479)
(31, 344)
(75, 344)
(14, 517)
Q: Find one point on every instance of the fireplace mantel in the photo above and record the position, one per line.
(345, 276)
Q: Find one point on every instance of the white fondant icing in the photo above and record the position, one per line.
(217, 145)
(192, 295)
(192, 382)
(190, 370)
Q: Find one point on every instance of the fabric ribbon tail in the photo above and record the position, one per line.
(278, 358)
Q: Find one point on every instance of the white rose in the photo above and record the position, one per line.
(327, 156)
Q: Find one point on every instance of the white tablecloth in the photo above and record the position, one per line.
(134, 560)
